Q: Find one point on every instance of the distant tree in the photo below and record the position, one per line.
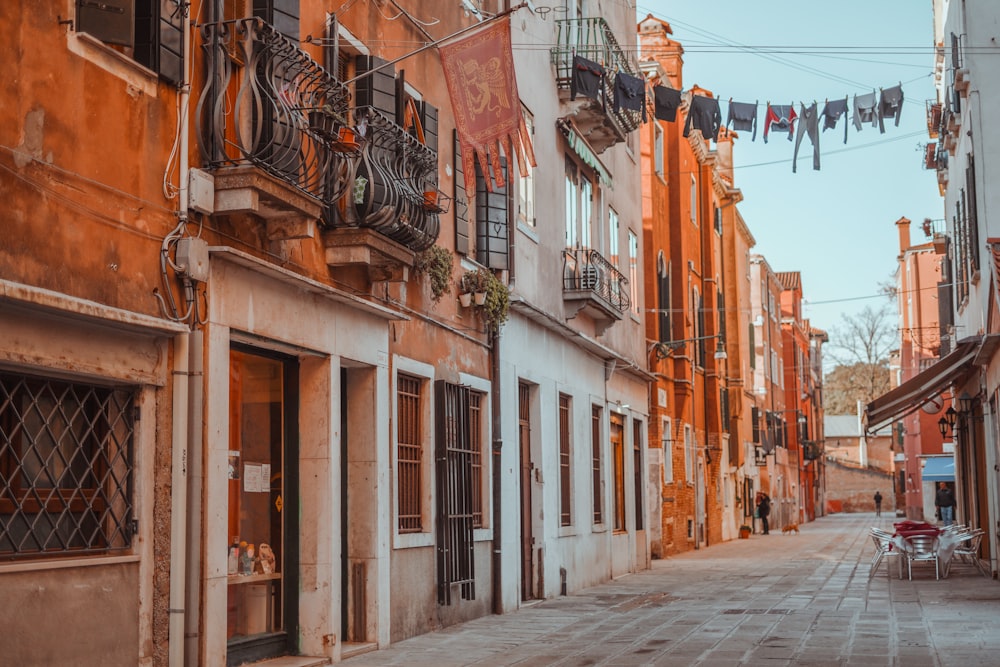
(844, 386)
(860, 347)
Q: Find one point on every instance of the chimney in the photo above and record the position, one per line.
(903, 225)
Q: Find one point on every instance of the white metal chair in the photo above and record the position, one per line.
(883, 551)
(968, 551)
(921, 549)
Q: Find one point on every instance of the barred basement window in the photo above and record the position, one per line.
(409, 453)
(66, 468)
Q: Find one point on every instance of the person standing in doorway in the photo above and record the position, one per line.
(763, 510)
(944, 501)
(878, 504)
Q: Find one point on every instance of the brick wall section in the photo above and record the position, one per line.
(854, 487)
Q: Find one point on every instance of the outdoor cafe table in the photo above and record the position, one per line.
(947, 540)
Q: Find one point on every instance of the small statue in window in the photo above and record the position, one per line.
(265, 563)
(246, 558)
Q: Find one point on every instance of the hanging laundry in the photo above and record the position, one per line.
(890, 105)
(586, 79)
(832, 112)
(865, 110)
(666, 101)
(630, 93)
(704, 115)
(808, 124)
(781, 117)
(743, 117)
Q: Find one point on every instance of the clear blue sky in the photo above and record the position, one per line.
(835, 226)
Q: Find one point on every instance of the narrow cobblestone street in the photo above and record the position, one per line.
(801, 599)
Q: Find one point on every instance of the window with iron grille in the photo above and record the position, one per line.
(409, 453)
(67, 453)
(595, 448)
(476, 449)
(618, 462)
(637, 469)
(565, 512)
(455, 490)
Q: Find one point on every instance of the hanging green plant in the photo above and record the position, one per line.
(435, 263)
(474, 281)
(496, 308)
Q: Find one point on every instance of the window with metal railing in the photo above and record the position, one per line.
(409, 453)
(66, 468)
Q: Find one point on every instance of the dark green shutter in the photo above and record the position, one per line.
(491, 221)
(110, 21)
(378, 89)
(461, 203)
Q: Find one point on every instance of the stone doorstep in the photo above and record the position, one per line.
(294, 661)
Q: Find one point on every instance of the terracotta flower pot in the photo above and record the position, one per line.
(465, 298)
(480, 298)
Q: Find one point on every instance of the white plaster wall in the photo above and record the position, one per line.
(321, 332)
(589, 553)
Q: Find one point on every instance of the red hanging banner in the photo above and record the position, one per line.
(479, 70)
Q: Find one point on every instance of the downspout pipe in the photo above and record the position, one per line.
(178, 500)
(495, 405)
(181, 407)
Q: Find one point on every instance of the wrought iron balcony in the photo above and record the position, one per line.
(593, 39)
(266, 117)
(276, 129)
(394, 187)
(592, 284)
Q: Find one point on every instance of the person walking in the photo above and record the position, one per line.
(878, 504)
(763, 510)
(944, 501)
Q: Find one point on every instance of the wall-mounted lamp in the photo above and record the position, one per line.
(665, 349)
(947, 423)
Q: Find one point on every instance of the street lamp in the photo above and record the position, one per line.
(665, 349)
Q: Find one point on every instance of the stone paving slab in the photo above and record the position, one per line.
(775, 600)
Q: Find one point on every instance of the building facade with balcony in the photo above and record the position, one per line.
(251, 410)
(803, 398)
(771, 419)
(683, 200)
(969, 366)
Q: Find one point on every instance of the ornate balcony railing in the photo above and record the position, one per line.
(593, 39)
(267, 103)
(592, 281)
(394, 184)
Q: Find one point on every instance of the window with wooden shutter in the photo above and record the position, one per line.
(596, 468)
(637, 473)
(377, 89)
(461, 203)
(492, 221)
(153, 29)
(565, 498)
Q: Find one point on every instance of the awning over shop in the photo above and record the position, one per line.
(916, 391)
(938, 469)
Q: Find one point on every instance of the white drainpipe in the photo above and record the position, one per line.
(181, 395)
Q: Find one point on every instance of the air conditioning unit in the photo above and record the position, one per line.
(590, 277)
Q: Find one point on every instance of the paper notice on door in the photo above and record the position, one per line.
(265, 477)
(252, 478)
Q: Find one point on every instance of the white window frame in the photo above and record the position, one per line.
(614, 234)
(633, 270)
(526, 184)
(425, 372)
